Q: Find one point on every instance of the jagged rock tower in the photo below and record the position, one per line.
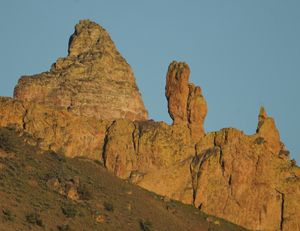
(186, 104)
(266, 128)
(93, 80)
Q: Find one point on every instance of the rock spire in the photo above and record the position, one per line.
(266, 129)
(186, 104)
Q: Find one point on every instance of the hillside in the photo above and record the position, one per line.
(46, 191)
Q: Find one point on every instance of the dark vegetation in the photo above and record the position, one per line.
(32, 196)
(145, 225)
(108, 206)
(69, 210)
(34, 219)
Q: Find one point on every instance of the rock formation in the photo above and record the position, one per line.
(247, 179)
(93, 80)
(186, 105)
(196, 111)
(228, 174)
(266, 128)
(177, 91)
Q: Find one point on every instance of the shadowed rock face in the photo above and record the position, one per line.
(93, 80)
(186, 104)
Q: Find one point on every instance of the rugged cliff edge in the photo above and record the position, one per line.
(246, 179)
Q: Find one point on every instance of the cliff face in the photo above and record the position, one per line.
(248, 180)
(93, 80)
(227, 173)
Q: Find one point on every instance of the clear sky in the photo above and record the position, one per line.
(243, 53)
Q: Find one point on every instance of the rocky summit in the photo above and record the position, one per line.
(246, 179)
(93, 80)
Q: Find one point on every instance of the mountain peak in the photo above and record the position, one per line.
(93, 80)
(89, 37)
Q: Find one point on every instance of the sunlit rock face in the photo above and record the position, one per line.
(93, 80)
(88, 105)
(186, 104)
(241, 178)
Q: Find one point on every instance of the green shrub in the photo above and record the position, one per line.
(69, 210)
(34, 219)
(84, 192)
(145, 225)
(108, 206)
(56, 156)
(99, 162)
(259, 140)
(7, 214)
(64, 228)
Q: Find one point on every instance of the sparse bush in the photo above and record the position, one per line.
(52, 175)
(145, 225)
(64, 228)
(69, 210)
(259, 140)
(4, 143)
(7, 214)
(108, 206)
(56, 156)
(34, 219)
(84, 192)
(284, 153)
(99, 162)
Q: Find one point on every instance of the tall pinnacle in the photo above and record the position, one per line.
(186, 104)
(266, 129)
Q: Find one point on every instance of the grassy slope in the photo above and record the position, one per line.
(27, 203)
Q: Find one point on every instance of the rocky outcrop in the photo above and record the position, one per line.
(93, 80)
(177, 91)
(229, 174)
(186, 104)
(267, 130)
(88, 105)
(196, 111)
(127, 148)
(239, 178)
(57, 130)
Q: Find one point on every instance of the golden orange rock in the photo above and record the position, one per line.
(93, 80)
(196, 111)
(177, 91)
(267, 130)
(186, 104)
(88, 105)
(229, 174)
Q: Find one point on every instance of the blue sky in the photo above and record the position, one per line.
(242, 53)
